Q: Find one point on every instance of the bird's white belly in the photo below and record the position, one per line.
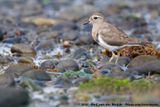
(107, 46)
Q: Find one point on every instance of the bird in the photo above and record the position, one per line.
(111, 37)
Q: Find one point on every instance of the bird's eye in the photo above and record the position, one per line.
(95, 17)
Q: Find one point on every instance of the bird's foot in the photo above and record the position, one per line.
(114, 56)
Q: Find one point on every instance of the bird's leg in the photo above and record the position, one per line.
(118, 54)
(113, 55)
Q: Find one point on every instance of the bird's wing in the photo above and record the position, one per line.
(114, 36)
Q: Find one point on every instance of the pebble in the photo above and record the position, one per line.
(22, 49)
(45, 45)
(49, 64)
(37, 74)
(67, 65)
(80, 52)
(26, 60)
(18, 69)
(63, 82)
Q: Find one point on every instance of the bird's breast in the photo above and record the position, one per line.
(94, 35)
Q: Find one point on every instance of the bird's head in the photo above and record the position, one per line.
(95, 18)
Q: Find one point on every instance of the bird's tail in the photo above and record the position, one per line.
(139, 42)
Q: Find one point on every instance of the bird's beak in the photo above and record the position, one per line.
(87, 22)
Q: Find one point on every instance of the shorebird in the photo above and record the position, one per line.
(109, 36)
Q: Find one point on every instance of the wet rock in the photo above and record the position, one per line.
(18, 69)
(26, 60)
(13, 40)
(63, 82)
(37, 74)
(4, 60)
(15, 97)
(67, 65)
(84, 39)
(123, 61)
(22, 49)
(140, 60)
(6, 80)
(80, 52)
(75, 12)
(151, 67)
(45, 45)
(48, 64)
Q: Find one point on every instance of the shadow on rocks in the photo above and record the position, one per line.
(12, 97)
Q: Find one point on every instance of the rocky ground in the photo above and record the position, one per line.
(48, 58)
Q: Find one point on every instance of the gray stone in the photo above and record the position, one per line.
(26, 60)
(67, 65)
(27, 70)
(78, 53)
(37, 74)
(63, 82)
(4, 60)
(6, 80)
(12, 97)
(140, 60)
(48, 64)
(21, 49)
(152, 67)
(18, 69)
(45, 45)
(123, 61)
